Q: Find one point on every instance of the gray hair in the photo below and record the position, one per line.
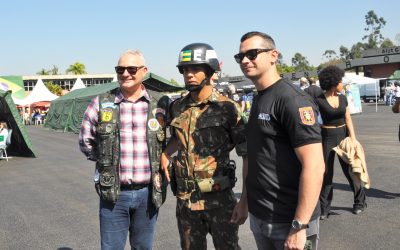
(137, 53)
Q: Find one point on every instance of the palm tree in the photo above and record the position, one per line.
(43, 72)
(76, 69)
(54, 70)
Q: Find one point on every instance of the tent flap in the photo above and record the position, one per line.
(21, 144)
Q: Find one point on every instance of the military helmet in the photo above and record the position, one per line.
(198, 53)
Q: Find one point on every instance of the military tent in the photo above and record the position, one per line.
(66, 112)
(21, 144)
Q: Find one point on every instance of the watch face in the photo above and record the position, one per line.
(296, 225)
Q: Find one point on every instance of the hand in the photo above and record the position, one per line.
(240, 212)
(296, 240)
(164, 166)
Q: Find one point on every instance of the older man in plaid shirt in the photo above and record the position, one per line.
(133, 210)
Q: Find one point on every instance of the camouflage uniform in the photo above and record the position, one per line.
(206, 132)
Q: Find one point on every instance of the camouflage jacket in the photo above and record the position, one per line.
(206, 132)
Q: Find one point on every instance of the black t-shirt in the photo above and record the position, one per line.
(282, 118)
(332, 116)
(314, 91)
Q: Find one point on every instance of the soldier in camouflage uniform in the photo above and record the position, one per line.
(206, 126)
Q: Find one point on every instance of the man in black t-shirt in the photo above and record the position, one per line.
(286, 163)
(314, 90)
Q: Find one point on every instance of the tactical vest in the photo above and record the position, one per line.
(108, 146)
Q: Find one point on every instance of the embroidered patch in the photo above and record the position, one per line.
(153, 124)
(106, 115)
(158, 111)
(307, 115)
(107, 105)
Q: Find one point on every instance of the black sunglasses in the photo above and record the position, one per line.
(251, 54)
(131, 69)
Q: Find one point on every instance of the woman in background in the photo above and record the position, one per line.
(337, 125)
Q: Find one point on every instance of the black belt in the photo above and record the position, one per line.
(125, 187)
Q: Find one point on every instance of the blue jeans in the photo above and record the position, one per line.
(272, 236)
(132, 212)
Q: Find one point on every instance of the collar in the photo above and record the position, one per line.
(212, 98)
(119, 97)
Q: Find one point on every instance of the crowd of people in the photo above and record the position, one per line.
(36, 116)
(285, 135)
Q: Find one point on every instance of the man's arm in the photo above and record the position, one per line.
(311, 177)
(87, 134)
(170, 149)
(240, 212)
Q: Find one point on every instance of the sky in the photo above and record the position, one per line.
(42, 33)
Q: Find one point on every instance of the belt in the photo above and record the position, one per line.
(126, 187)
(339, 126)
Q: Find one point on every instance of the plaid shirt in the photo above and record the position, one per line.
(134, 157)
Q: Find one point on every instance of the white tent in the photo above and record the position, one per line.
(39, 93)
(78, 85)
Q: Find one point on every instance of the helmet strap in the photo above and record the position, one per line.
(197, 88)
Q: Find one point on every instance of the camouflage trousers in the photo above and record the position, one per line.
(195, 225)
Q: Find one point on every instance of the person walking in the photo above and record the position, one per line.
(337, 125)
(122, 131)
(286, 166)
(206, 126)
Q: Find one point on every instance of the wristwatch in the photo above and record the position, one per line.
(297, 225)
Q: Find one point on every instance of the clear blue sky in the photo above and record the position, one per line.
(42, 33)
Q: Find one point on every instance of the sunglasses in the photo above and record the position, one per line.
(250, 54)
(131, 69)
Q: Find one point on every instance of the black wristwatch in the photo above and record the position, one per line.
(297, 225)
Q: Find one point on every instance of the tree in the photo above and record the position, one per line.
(54, 70)
(54, 88)
(300, 62)
(77, 69)
(374, 26)
(43, 72)
(344, 53)
(329, 54)
(283, 68)
(334, 61)
(357, 49)
(387, 43)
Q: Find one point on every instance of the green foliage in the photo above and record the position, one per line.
(54, 88)
(329, 54)
(77, 69)
(54, 70)
(344, 53)
(300, 63)
(43, 72)
(374, 26)
(334, 61)
(283, 68)
(387, 43)
(175, 83)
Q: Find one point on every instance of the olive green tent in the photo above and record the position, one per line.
(21, 144)
(66, 112)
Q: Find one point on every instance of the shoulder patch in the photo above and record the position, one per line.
(307, 115)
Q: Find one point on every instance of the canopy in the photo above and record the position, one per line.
(20, 142)
(38, 94)
(78, 85)
(66, 113)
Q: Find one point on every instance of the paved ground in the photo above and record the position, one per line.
(49, 202)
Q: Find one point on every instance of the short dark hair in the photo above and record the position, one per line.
(268, 41)
(330, 77)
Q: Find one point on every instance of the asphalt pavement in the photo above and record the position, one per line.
(49, 202)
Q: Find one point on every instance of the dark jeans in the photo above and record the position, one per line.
(133, 213)
(331, 137)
